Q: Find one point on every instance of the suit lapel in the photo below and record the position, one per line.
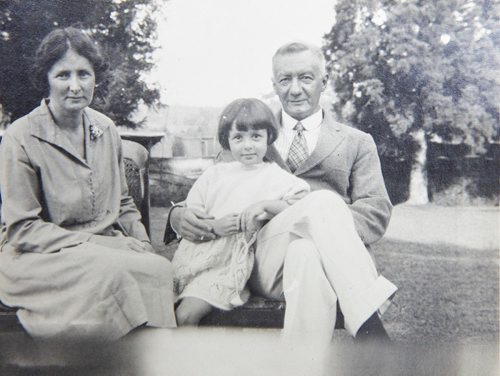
(330, 137)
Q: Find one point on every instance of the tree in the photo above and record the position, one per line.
(409, 71)
(125, 29)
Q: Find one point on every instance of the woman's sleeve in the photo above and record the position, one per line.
(129, 219)
(22, 205)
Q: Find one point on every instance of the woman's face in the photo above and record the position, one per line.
(71, 83)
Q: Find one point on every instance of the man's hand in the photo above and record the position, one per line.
(122, 242)
(226, 225)
(192, 224)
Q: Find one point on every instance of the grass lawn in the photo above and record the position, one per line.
(446, 293)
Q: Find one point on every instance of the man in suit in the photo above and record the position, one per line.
(348, 209)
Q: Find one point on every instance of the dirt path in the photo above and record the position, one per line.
(471, 227)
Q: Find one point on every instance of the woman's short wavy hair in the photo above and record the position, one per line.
(56, 44)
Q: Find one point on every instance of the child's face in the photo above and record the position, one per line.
(249, 147)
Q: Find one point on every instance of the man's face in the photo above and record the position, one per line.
(299, 82)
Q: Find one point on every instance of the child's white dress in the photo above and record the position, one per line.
(217, 271)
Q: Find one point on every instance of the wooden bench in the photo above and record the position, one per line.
(8, 319)
(258, 312)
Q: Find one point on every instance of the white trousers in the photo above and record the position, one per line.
(312, 255)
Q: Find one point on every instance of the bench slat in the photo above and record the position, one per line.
(258, 312)
(8, 319)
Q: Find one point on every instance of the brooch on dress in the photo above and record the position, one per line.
(95, 132)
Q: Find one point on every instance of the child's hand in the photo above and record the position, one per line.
(251, 219)
(296, 197)
(226, 225)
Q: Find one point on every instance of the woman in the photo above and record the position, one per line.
(75, 257)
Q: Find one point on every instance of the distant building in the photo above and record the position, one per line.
(194, 147)
(174, 146)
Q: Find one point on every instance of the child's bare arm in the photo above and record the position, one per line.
(253, 216)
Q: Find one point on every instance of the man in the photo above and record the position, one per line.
(348, 209)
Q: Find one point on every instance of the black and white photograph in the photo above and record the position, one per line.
(250, 187)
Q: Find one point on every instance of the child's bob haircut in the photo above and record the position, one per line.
(245, 114)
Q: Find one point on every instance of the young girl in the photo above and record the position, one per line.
(239, 195)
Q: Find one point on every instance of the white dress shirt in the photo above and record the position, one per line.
(312, 126)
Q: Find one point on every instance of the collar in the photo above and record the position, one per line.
(310, 123)
(44, 126)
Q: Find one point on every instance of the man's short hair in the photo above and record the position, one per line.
(297, 47)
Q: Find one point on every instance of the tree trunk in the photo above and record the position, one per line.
(418, 194)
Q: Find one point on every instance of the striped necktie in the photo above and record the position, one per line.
(298, 152)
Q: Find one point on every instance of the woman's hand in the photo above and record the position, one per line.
(122, 242)
(192, 224)
(227, 225)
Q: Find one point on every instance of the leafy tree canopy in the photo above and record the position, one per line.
(402, 66)
(125, 30)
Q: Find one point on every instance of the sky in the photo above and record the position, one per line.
(214, 51)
